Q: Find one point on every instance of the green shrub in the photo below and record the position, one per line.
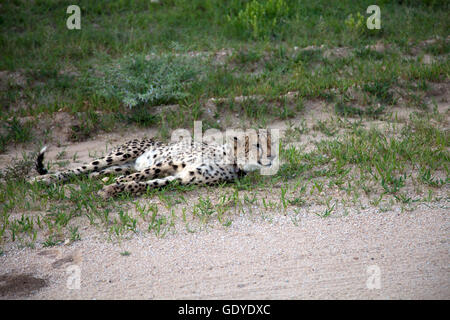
(260, 18)
(147, 79)
(14, 131)
(356, 25)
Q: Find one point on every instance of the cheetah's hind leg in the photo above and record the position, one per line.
(124, 169)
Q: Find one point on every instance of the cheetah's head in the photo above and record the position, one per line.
(253, 150)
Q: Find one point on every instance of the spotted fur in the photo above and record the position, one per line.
(146, 163)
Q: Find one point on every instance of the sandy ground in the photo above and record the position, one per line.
(366, 254)
(332, 258)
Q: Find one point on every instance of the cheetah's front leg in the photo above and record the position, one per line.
(161, 169)
(190, 175)
(134, 187)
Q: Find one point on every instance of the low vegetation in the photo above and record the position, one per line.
(250, 63)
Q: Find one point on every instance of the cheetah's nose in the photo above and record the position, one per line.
(266, 162)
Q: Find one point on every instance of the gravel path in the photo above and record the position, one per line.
(320, 258)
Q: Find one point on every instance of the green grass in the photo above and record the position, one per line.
(15, 132)
(386, 159)
(131, 56)
(59, 63)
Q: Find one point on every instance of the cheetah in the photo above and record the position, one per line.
(146, 163)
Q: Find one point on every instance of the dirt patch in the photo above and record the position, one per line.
(379, 47)
(315, 258)
(221, 56)
(308, 48)
(337, 53)
(12, 78)
(218, 58)
(73, 258)
(417, 49)
(17, 285)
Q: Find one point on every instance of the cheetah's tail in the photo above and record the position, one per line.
(40, 168)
